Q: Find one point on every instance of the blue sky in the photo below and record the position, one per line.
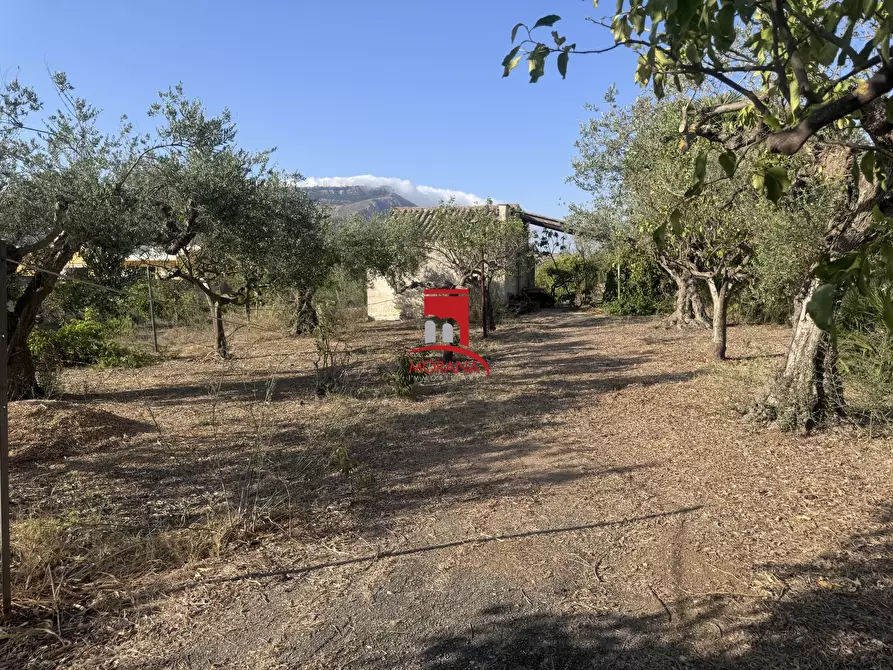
(408, 89)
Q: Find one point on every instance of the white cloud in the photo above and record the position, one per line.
(425, 196)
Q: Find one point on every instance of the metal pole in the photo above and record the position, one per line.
(4, 436)
(152, 308)
(483, 297)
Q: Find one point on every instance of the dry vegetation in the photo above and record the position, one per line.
(597, 503)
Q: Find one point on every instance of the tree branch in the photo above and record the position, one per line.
(793, 54)
(789, 142)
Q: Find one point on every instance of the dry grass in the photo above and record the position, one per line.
(598, 500)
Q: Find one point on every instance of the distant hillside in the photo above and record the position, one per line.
(348, 200)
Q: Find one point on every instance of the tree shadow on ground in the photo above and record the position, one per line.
(834, 612)
(457, 447)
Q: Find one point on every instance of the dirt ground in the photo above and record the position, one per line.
(599, 502)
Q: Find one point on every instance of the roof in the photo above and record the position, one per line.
(543, 221)
(140, 258)
(426, 215)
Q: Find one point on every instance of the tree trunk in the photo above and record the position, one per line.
(698, 313)
(219, 333)
(491, 315)
(677, 318)
(306, 318)
(720, 296)
(22, 375)
(689, 308)
(22, 319)
(808, 385)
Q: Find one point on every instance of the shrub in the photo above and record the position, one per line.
(865, 349)
(86, 341)
(402, 378)
(569, 277)
(643, 288)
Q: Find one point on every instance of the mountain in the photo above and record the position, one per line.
(345, 201)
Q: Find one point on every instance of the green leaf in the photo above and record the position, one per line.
(701, 167)
(725, 18)
(511, 66)
(780, 175)
(562, 64)
(515, 31)
(728, 162)
(889, 107)
(511, 56)
(773, 181)
(840, 269)
(693, 190)
(867, 166)
(887, 253)
(878, 214)
(685, 11)
(772, 122)
(658, 83)
(821, 306)
(794, 87)
(868, 8)
(862, 282)
(536, 62)
(676, 222)
(659, 235)
(547, 21)
(773, 189)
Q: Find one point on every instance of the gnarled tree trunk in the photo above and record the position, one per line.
(808, 386)
(21, 370)
(689, 309)
(306, 318)
(696, 309)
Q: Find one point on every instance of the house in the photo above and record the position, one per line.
(384, 303)
(151, 258)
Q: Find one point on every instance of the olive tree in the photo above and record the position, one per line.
(236, 225)
(802, 73)
(65, 187)
(613, 157)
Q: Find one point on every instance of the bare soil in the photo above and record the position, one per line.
(599, 502)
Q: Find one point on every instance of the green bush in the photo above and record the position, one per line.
(86, 341)
(568, 277)
(643, 286)
(865, 348)
(402, 378)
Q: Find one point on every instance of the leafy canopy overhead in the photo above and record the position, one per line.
(787, 72)
(797, 65)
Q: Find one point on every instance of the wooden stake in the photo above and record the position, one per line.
(4, 437)
(483, 296)
(152, 308)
